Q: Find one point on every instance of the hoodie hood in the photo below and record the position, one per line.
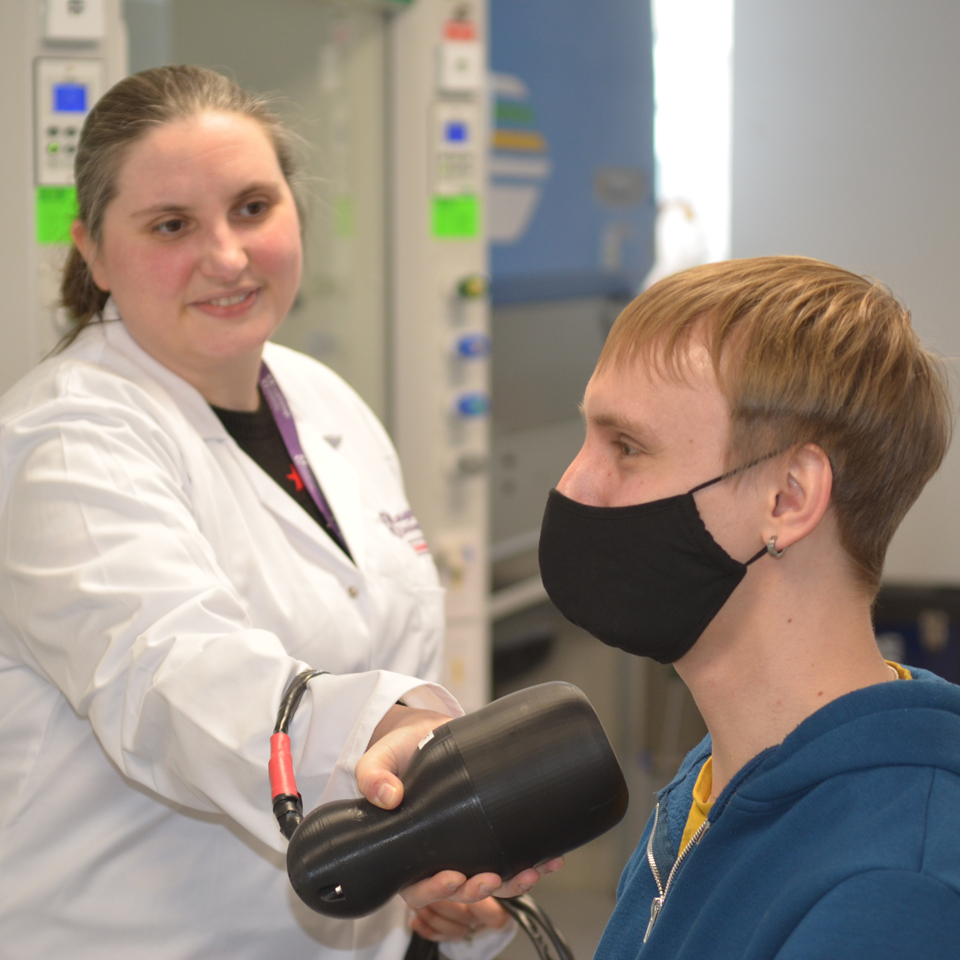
(852, 733)
(848, 734)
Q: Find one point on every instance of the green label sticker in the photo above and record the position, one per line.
(456, 218)
(56, 209)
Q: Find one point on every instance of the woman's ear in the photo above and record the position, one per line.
(803, 496)
(88, 250)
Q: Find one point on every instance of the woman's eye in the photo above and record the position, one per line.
(254, 208)
(170, 228)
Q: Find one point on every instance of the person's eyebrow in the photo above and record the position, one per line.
(611, 421)
(164, 206)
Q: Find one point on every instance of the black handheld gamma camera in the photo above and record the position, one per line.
(525, 779)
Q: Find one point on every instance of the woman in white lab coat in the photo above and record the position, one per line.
(159, 589)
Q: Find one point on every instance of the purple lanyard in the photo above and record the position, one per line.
(280, 409)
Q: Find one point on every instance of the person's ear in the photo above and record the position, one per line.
(802, 496)
(90, 253)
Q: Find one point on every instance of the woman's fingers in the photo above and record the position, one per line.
(527, 879)
(392, 745)
(450, 885)
(441, 886)
(446, 920)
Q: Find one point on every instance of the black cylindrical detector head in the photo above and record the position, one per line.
(543, 770)
(522, 780)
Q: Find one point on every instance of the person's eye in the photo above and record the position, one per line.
(254, 208)
(170, 228)
(626, 448)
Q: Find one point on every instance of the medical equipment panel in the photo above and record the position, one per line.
(56, 58)
(440, 311)
(64, 92)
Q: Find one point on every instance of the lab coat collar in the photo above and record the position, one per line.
(336, 476)
(187, 398)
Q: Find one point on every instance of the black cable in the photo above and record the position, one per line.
(287, 803)
(291, 698)
(535, 923)
(531, 919)
(422, 949)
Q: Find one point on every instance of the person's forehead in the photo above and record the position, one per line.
(643, 392)
(211, 150)
(689, 370)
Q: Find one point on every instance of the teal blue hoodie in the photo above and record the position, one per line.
(841, 842)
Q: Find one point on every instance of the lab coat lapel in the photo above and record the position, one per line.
(280, 503)
(340, 484)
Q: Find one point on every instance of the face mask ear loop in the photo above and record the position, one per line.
(757, 556)
(734, 472)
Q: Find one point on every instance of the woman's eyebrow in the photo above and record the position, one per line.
(269, 186)
(165, 206)
(162, 207)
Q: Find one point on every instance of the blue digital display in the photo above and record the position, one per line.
(69, 98)
(456, 131)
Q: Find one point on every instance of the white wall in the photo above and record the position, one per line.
(846, 147)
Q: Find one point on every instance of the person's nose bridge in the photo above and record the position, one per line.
(576, 480)
(224, 252)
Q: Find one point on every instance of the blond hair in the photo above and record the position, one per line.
(806, 352)
(122, 116)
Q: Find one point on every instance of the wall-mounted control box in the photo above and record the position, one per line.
(64, 91)
(57, 57)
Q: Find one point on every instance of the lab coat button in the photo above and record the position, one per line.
(353, 592)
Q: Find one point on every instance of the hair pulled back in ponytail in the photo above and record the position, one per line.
(126, 112)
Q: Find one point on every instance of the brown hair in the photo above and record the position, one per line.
(124, 114)
(806, 352)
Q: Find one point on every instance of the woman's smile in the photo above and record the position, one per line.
(228, 305)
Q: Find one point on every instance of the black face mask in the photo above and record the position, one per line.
(646, 578)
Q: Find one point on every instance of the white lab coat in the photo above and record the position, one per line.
(157, 593)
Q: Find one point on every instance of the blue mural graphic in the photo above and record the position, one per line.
(571, 209)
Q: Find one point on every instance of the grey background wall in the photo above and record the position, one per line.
(846, 147)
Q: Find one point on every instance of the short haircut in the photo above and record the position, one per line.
(806, 352)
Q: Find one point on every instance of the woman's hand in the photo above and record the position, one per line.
(446, 920)
(455, 887)
(392, 745)
(378, 771)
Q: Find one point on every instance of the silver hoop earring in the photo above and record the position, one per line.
(772, 548)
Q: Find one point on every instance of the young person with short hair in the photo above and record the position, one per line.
(755, 432)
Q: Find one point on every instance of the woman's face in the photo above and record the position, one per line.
(201, 245)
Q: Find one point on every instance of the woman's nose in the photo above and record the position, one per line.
(224, 256)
